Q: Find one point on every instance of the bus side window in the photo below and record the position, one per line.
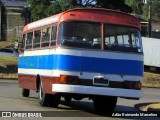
(36, 41)
(46, 36)
(22, 43)
(29, 40)
(53, 35)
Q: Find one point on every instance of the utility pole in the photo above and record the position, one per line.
(150, 19)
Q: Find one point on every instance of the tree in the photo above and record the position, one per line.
(155, 10)
(54, 8)
(113, 4)
(42, 8)
(136, 6)
(39, 8)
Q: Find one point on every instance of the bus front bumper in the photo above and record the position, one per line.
(93, 90)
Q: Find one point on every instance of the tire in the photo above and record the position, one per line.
(48, 99)
(67, 98)
(104, 104)
(54, 100)
(25, 92)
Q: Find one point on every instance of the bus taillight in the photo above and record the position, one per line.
(132, 85)
(66, 79)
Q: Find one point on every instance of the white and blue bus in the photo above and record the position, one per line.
(95, 53)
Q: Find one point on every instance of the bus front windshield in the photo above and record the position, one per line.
(89, 35)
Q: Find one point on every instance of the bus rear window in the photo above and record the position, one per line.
(121, 38)
(80, 35)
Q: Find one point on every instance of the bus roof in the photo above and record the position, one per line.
(88, 14)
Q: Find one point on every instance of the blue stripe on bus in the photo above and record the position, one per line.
(84, 64)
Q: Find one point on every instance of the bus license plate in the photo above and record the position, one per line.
(100, 81)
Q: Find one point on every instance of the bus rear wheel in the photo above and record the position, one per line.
(25, 92)
(48, 99)
(104, 104)
(68, 98)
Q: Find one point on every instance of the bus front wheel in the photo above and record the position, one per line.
(25, 92)
(48, 99)
(104, 104)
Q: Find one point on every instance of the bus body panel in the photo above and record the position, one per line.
(100, 15)
(115, 63)
(90, 90)
(115, 67)
(27, 81)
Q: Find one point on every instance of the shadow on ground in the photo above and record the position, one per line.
(88, 111)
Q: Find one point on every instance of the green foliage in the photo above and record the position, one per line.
(66, 4)
(39, 8)
(141, 9)
(155, 10)
(63, 5)
(113, 4)
(145, 11)
(136, 6)
(43, 8)
(54, 8)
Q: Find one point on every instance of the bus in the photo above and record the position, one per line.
(82, 52)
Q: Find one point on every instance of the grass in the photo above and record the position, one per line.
(153, 107)
(8, 60)
(8, 76)
(8, 67)
(6, 44)
(151, 80)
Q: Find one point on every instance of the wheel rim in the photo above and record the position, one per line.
(40, 93)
